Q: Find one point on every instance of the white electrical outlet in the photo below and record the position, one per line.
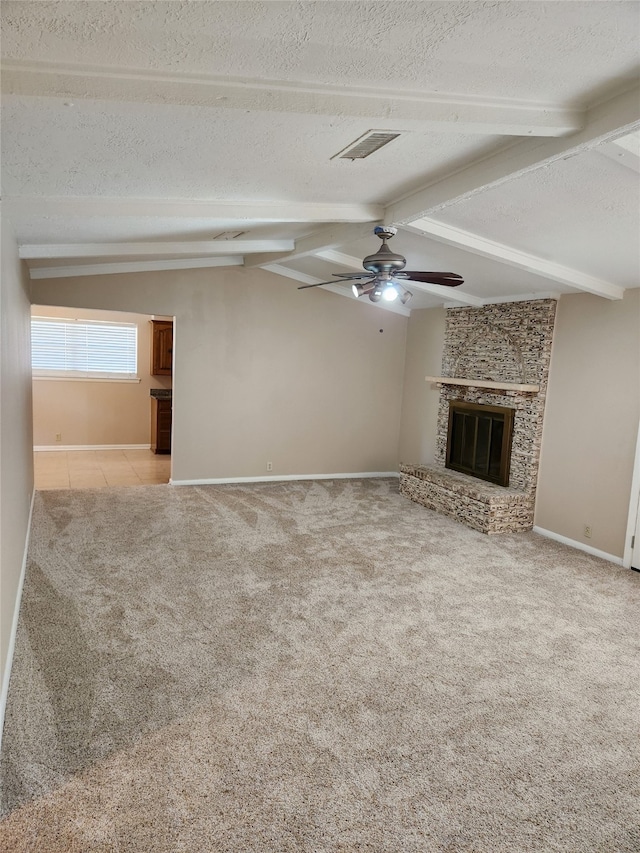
(587, 531)
(58, 436)
(269, 466)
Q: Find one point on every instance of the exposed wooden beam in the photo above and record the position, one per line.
(156, 249)
(515, 258)
(218, 213)
(606, 122)
(392, 109)
(76, 270)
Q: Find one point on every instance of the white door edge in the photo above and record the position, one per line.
(633, 520)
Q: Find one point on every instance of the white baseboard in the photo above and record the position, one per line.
(4, 691)
(282, 478)
(573, 543)
(50, 447)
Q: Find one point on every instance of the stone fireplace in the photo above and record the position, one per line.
(498, 357)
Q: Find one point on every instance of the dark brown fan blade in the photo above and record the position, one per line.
(340, 276)
(447, 279)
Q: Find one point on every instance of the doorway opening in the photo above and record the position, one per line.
(93, 380)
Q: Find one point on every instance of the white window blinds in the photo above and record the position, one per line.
(83, 348)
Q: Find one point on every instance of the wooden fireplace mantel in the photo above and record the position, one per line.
(483, 383)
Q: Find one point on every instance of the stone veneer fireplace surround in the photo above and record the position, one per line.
(497, 355)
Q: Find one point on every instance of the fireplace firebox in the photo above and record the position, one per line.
(479, 440)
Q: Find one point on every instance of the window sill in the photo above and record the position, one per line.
(136, 380)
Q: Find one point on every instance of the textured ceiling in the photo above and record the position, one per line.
(176, 122)
(491, 48)
(558, 213)
(188, 152)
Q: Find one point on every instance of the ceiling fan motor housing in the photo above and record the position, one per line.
(384, 261)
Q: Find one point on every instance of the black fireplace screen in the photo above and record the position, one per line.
(479, 441)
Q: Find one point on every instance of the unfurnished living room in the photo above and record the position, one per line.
(319, 447)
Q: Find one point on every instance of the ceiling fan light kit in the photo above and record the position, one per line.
(390, 294)
(361, 289)
(384, 272)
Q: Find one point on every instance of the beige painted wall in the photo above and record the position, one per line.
(265, 372)
(87, 413)
(16, 457)
(420, 399)
(591, 420)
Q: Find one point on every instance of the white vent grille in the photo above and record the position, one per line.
(365, 145)
(228, 235)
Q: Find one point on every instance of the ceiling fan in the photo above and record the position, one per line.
(386, 272)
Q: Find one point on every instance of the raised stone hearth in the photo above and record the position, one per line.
(482, 506)
(501, 354)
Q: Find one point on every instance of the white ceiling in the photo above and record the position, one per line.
(145, 135)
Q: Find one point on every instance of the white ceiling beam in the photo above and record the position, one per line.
(132, 266)
(391, 109)
(630, 142)
(303, 278)
(226, 213)
(157, 249)
(621, 155)
(341, 259)
(606, 122)
(295, 275)
(327, 237)
(522, 297)
(478, 245)
(447, 294)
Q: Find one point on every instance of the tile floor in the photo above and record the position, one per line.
(90, 469)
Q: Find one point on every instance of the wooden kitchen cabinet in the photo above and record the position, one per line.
(160, 425)
(161, 347)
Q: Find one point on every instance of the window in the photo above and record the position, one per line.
(84, 349)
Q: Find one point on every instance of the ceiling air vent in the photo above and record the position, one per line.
(228, 235)
(371, 141)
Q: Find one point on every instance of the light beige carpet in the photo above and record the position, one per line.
(315, 666)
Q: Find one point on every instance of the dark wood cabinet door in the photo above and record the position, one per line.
(160, 425)
(161, 348)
